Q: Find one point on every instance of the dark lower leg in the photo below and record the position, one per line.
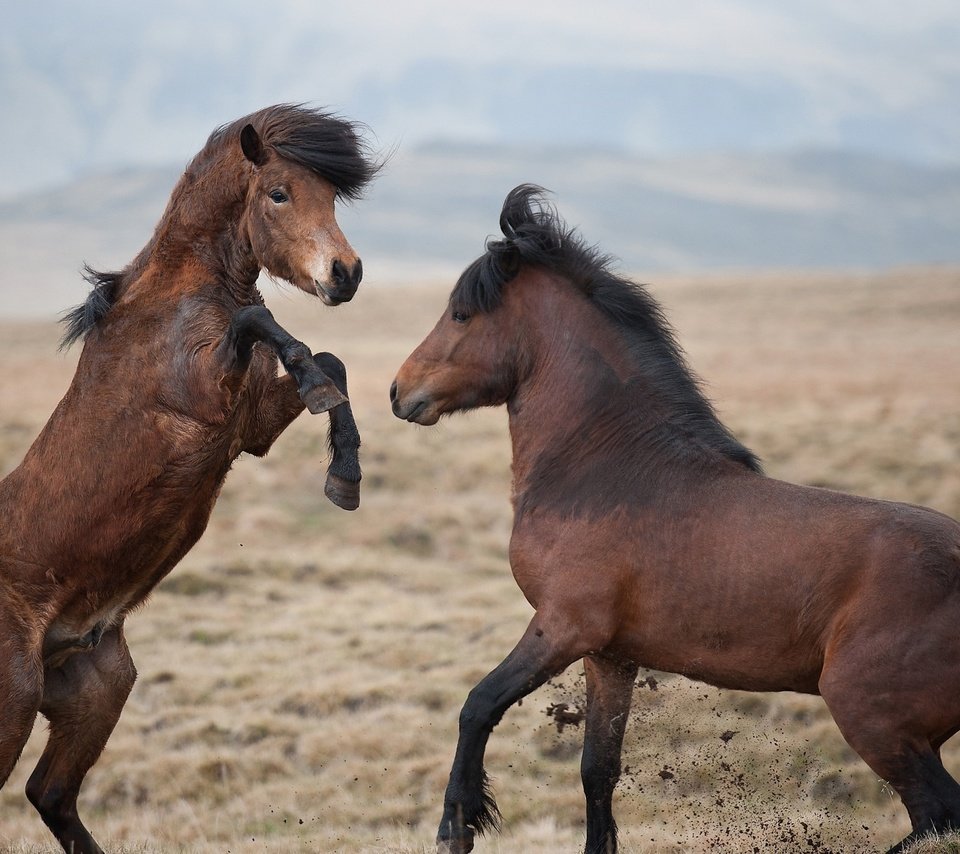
(468, 805)
(343, 475)
(609, 692)
(930, 794)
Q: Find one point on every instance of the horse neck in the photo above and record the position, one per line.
(584, 409)
(202, 230)
(568, 362)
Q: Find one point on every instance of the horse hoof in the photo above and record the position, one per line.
(321, 398)
(342, 492)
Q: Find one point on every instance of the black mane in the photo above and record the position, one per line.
(327, 144)
(534, 234)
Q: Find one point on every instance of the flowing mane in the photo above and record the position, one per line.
(332, 147)
(535, 235)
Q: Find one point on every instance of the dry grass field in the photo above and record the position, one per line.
(302, 670)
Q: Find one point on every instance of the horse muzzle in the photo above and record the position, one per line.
(416, 409)
(342, 284)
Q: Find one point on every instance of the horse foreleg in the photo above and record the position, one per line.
(343, 475)
(546, 648)
(255, 323)
(82, 699)
(282, 404)
(609, 692)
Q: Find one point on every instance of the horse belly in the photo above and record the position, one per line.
(762, 602)
(745, 651)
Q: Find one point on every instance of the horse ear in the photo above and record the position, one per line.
(252, 145)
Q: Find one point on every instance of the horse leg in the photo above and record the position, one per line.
(82, 699)
(343, 474)
(932, 800)
(931, 796)
(546, 648)
(609, 692)
(21, 690)
(282, 404)
(255, 323)
(886, 731)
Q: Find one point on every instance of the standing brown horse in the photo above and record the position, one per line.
(177, 376)
(645, 534)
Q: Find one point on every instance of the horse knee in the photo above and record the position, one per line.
(479, 712)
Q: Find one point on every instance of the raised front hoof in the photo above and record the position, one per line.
(322, 398)
(455, 844)
(343, 493)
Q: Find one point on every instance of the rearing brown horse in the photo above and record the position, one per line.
(177, 376)
(645, 534)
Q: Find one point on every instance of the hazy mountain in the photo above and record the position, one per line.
(692, 212)
(105, 84)
(433, 207)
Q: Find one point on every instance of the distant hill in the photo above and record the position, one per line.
(432, 208)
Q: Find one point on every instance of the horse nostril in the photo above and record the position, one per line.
(393, 392)
(339, 273)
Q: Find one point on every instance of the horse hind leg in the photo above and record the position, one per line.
(82, 700)
(609, 692)
(930, 795)
(21, 690)
(886, 734)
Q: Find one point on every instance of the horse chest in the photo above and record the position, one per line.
(550, 555)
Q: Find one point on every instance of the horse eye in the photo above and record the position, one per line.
(279, 197)
(460, 317)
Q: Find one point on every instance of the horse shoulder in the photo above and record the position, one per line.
(572, 559)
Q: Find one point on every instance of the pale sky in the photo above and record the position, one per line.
(104, 83)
